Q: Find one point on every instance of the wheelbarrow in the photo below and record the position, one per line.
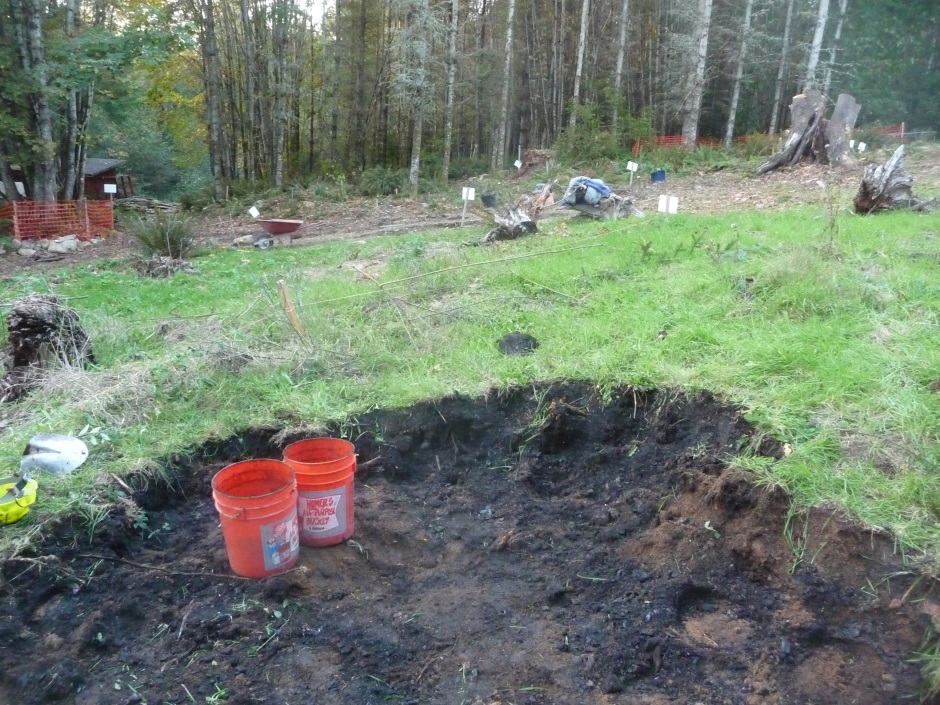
(275, 227)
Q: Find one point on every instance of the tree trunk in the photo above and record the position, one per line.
(451, 79)
(813, 60)
(500, 160)
(582, 45)
(279, 50)
(27, 23)
(827, 81)
(738, 74)
(782, 69)
(69, 171)
(697, 77)
(334, 115)
(250, 144)
(621, 52)
(213, 83)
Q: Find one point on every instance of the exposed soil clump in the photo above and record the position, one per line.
(533, 546)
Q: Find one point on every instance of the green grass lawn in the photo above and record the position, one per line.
(822, 327)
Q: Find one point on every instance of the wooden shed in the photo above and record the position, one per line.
(101, 172)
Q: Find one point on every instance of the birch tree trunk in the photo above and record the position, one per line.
(250, 145)
(813, 61)
(827, 81)
(451, 78)
(697, 77)
(279, 50)
(782, 69)
(738, 74)
(504, 104)
(621, 51)
(334, 114)
(68, 170)
(213, 85)
(582, 45)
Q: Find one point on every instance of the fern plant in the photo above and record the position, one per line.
(166, 234)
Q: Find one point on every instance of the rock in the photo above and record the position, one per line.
(244, 240)
(16, 243)
(611, 684)
(26, 252)
(640, 575)
(52, 642)
(786, 648)
(62, 245)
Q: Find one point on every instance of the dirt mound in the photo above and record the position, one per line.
(536, 546)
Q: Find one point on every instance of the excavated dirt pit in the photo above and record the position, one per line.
(534, 546)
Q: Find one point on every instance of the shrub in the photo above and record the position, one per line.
(167, 234)
(382, 181)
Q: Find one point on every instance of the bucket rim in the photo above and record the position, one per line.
(350, 447)
(279, 490)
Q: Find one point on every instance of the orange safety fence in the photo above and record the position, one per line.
(44, 219)
(893, 131)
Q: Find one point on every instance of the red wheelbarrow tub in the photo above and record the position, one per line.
(276, 226)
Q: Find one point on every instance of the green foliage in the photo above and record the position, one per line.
(589, 140)
(382, 181)
(166, 234)
(679, 160)
(758, 144)
(465, 167)
(592, 140)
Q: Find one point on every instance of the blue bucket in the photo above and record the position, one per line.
(658, 176)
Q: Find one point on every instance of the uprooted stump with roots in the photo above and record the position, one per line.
(41, 331)
(888, 187)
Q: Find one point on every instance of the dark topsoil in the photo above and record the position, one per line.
(534, 546)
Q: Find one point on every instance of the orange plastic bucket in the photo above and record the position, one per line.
(257, 501)
(325, 469)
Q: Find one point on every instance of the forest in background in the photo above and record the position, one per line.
(254, 94)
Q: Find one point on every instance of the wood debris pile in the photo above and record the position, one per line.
(41, 332)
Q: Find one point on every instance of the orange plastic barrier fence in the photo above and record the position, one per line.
(893, 131)
(41, 219)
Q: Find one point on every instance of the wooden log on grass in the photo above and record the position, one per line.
(888, 187)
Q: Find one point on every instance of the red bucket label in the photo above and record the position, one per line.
(281, 541)
(323, 514)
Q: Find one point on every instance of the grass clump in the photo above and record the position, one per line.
(164, 234)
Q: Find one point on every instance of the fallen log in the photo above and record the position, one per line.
(41, 332)
(888, 187)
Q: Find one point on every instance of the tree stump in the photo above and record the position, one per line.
(888, 187)
(522, 218)
(840, 127)
(41, 332)
(807, 133)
